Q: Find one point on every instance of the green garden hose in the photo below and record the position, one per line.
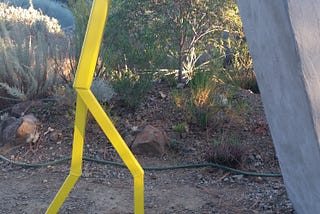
(183, 166)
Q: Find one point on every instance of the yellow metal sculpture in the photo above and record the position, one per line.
(87, 101)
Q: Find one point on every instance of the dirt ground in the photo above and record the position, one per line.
(109, 189)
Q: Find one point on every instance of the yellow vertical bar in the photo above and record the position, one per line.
(91, 44)
(76, 163)
(138, 181)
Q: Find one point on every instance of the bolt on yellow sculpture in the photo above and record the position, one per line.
(87, 101)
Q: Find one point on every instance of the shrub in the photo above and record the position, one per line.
(179, 99)
(202, 99)
(11, 14)
(102, 90)
(227, 150)
(202, 102)
(81, 12)
(228, 154)
(131, 88)
(29, 57)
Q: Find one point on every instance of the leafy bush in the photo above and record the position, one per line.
(131, 88)
(81, 12)
(30, 53)
(234, 53)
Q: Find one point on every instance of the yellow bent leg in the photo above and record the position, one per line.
(76, 163)
(120, 146)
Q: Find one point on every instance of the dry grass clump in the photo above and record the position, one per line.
(228, 154)
(33, 50)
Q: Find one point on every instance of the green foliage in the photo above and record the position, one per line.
(160, 34)
(131, 39)
(81, 12)
(234, 52)
(29, 57)
(171, 80)
(202, 100)
(180, 128)
(186, 23)
(180, 99)
(131, 88)
(183, 35)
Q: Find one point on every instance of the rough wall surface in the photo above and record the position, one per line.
(283, 38)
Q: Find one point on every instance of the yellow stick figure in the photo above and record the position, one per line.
(87, 101)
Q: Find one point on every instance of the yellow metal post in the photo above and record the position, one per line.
(76, 164)
(86, 101)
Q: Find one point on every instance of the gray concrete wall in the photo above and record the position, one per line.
(284, 41)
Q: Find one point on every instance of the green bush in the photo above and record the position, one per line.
(131, 88)
(234, 52)
(203, 97)
(202, 101)
(81, 12)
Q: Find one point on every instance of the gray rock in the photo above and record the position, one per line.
(8, 129)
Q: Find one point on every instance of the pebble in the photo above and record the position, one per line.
(258, 157)
(237, 177)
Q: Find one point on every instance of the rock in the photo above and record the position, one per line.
(128, 139)
(237, 177)
(150, 141)
(8, 128)
(183, 135)
(55, 136)
(162, 95)
(20, 109)
(180, 85)
(27, 131)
